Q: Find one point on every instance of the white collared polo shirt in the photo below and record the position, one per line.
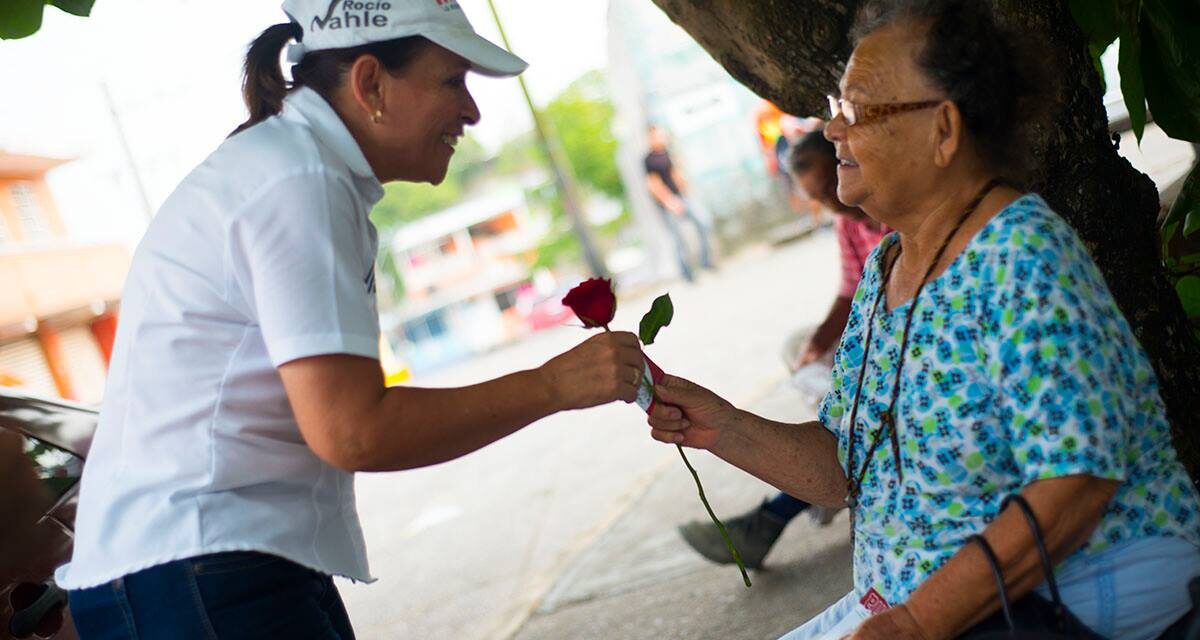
(264, 254)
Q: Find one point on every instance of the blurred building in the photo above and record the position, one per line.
(467, 281)
(59, 296)
(658, 74)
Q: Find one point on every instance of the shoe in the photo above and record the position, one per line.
(752, 534)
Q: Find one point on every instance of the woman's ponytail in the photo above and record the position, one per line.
(263, 86)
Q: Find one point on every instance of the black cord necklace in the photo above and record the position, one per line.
(887, 427)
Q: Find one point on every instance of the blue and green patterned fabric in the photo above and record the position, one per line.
(1020, 368)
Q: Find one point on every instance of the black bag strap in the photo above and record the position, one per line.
(1047, 567)
(994, 563)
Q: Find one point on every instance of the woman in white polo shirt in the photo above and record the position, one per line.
(245, 388)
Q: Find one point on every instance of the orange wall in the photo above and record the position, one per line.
(52, 280)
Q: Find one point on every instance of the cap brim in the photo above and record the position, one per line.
(485, 58)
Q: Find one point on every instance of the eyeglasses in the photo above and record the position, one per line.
(860, 113)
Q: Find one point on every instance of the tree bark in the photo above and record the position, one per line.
(792, 52)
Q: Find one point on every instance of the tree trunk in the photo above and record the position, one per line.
(792, 52)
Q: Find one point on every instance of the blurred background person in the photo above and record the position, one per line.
(670, 192)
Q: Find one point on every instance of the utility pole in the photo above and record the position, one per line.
(564, 178)
(128, 153)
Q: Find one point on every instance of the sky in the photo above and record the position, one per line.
(172, 71)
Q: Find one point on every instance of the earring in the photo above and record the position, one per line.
(377, 117)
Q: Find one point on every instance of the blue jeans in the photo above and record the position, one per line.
(241, 594)
(674, 225)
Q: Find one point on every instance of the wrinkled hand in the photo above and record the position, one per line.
(688, 414)
(607, 366)
(896, 623)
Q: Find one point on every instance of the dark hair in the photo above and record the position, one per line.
(990, 72)
(263, 84)
(812, 145)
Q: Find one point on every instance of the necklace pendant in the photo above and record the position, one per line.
(851, 501)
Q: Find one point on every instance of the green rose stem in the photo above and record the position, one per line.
(737, 557)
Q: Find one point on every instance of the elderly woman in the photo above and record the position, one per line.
(984, 356)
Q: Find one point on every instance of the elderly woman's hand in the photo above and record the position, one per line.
(686, 413)
(896, 623)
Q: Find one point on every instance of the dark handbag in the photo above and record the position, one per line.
(1032, 617)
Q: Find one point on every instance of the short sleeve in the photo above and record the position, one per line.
(1064, 358)
(851, 261)
(305, 264)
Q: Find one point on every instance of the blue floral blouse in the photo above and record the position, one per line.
(1020, 367)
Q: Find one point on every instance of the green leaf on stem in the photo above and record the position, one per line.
(656, 318)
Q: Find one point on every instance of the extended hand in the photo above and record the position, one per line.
(606, 367)
(686, 413)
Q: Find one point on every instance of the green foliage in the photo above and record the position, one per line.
(560, 246)
(1181, 247)
(582, 117)
(660, 314)
(1160, 67)
(1159, 58)
(22, 18)
(1171, 65)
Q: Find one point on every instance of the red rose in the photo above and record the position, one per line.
(593, 302)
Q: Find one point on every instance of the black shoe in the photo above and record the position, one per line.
(752, 534)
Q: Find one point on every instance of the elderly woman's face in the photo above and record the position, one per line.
(882, 160)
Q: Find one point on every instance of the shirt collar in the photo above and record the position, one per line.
(306, 105)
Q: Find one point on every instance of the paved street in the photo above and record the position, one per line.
(538, 535)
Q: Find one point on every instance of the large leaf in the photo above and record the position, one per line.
(659, 316)
(82, 8)
(20, 18)
(1100, 20)
(1132, 87)
(1188, 288)
(1170, 52)
(1186, 208)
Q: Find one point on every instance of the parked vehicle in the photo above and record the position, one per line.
(43, 443)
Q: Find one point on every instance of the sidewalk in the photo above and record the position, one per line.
(640, 581)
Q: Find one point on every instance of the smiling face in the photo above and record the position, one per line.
(882, 163)
(426, 107)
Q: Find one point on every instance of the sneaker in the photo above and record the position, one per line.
(753, 534)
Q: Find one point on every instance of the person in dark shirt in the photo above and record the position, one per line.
(669, 190)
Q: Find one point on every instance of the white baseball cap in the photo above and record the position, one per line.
(338, 24)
